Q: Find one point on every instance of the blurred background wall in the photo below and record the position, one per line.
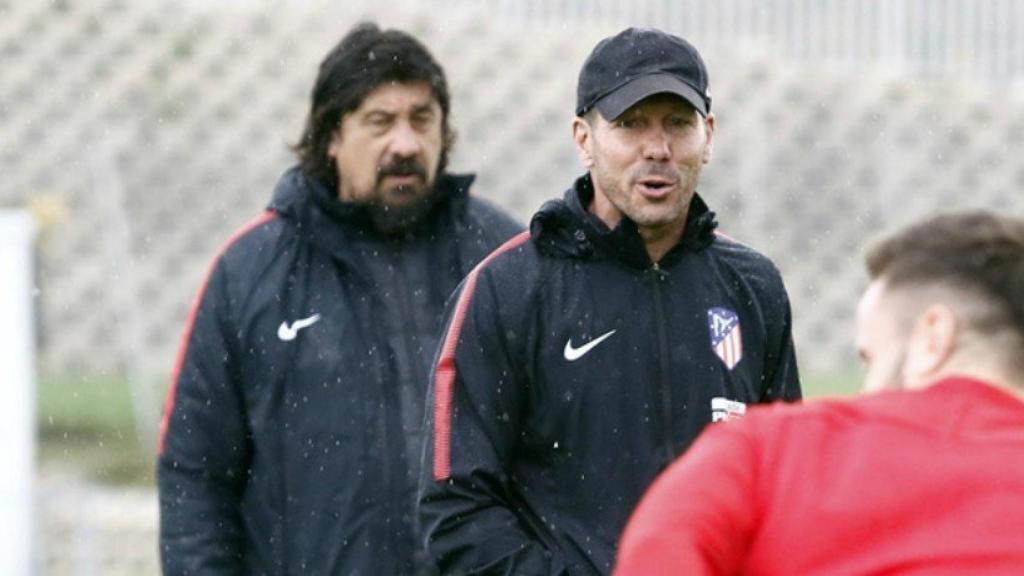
(141, 134)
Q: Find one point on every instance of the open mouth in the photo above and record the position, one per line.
(405, 177)
(402, 181)
(656, 187)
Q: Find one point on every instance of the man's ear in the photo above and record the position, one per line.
(581, 134)
(931, 344)
(709, 146)
(334, 144)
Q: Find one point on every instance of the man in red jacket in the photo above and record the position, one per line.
(923, 475)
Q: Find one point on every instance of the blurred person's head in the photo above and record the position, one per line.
(946, 298)
(378, 129)
(644, 128)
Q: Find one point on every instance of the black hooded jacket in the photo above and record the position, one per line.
(292, 431)
(573, 371)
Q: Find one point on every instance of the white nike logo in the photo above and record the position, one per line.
(288, 333)
(572, 354)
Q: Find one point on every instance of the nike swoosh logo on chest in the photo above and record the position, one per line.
(572, 353)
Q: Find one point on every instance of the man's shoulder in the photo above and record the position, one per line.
(242, 257)
(514, 257)
(253, 242)
(254, 235)
(729, 248)
(892, 421)
(506, 276)
(487, 211)
(747, 264)
(484, 217)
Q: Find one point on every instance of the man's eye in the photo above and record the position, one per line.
(680, 121)
(628, 123)
(423, 119)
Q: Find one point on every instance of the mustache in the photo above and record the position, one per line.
(402, 167)
(657, 170)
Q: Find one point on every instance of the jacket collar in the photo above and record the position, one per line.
(565, 227)
(332, 224)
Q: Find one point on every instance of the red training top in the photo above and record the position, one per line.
(908, 482)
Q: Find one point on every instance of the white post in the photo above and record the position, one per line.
(17, 393)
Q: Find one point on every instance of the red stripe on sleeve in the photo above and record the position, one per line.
(444, 378)
(180, 359)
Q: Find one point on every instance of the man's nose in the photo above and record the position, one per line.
(657, 145)
(405, 141)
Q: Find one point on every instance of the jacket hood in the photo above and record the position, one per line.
(564, 228)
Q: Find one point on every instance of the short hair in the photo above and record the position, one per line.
(366, 58)
(976, 252)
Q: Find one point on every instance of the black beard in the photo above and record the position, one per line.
(391, 220)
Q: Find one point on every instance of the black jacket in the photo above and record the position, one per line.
(573, 371)
(291, 435)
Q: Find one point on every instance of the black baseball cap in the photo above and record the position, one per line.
(640, 62)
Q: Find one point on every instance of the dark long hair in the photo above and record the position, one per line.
(364, 59)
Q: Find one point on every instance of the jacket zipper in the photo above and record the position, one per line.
(659, 276)
(394, 395)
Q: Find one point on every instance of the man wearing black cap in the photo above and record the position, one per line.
(581, 357)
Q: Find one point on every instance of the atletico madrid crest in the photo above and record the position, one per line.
(726, 341)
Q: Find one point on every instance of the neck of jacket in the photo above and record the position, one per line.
(565, 228)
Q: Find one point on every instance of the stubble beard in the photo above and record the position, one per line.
(672, 211)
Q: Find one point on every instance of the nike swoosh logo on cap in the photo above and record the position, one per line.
(572, 354)
(288, 333)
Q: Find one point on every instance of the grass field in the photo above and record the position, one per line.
(86, 424)
(831, 385)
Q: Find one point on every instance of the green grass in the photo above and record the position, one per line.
(85, 423)
(831, 385)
